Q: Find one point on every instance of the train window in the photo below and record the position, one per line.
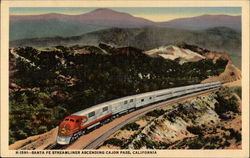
(142, 100)
(92, 114)
(71, 120)
(163, 95)
(77, 120)
(125, 102)
(105, 109)
(131, 100)
(66, 119)
(150, 97)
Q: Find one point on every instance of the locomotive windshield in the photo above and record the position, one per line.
(72, 120)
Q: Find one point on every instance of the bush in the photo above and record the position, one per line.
(113, 141)
(225, 105)
(131, 127)
(211, 146)
(138, 144)
(197, 144)
(235, 134)
(195, 130)
(155, 113)
(238, 91)
(156, 144)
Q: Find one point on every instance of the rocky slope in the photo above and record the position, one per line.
(38, 142)
(200, 123)
(69, 56)
(174, 52)
(219, 39)
(231, 72)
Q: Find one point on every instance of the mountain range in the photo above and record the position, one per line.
(220, 39)
(53, 24)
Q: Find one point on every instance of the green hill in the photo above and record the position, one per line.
(48, 28)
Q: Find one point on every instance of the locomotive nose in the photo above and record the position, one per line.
(64, 128)
(67, 127)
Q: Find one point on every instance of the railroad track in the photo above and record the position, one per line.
(55, 146)
(102, 137)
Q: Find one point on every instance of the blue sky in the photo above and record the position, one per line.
(151, 13)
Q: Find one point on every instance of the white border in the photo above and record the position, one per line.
(244, 152)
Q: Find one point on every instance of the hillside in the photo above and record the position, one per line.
(220, 39)
(173, 53)
(55, 24)
(48, 28)
(211, 121)
(47, 85)
(221, 134)
(205, 22)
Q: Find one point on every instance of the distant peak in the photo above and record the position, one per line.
(218, 15)
(107, 11)
(102, 10)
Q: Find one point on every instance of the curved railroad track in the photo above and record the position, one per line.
(55, 146)
(93, 139)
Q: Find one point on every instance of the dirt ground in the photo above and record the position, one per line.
(38, 142)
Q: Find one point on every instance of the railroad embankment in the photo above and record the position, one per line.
(44, 102)
(208, 122)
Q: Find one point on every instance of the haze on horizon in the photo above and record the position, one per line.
(156, 14)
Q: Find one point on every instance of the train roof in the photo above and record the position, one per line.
(101, 105)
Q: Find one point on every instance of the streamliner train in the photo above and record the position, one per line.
(83, 121)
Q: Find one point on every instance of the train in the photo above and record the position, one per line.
(83, 121)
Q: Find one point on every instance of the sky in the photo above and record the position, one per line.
(156, 14)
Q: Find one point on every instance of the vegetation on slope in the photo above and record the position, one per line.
(189, 125)
(59, 82)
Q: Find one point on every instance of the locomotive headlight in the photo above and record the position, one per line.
(62, 138)
(63, 130)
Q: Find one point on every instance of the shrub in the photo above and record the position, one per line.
(131, 127)
(155, 113)
(155, 144)
(211, 146)
(196, 144)
(226, 143)
(214, 139)
(113, 141)
(235, 134)
(225, 105)
(195, 130)
(238, 91)
(138, 144)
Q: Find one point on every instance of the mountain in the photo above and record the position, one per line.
(110, 18)
(48, 28)
(145, 38)
(50, 25)
(99, 17)
(204, 22)
(219, 39)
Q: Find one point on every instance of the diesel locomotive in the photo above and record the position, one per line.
(83, 121)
